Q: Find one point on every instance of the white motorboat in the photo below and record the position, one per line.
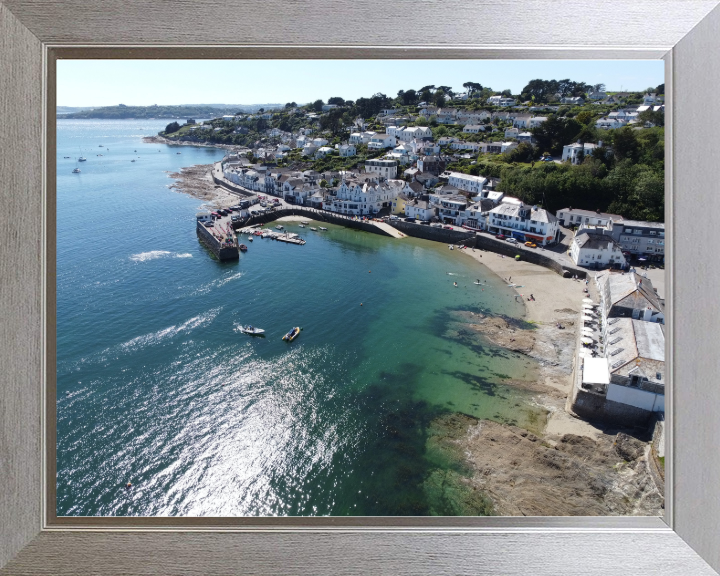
(252, 330)
(304, 222)
(321, 228)
(302, 225)
(313, 229)
(82, 159)
(76, 171)
(279, 227)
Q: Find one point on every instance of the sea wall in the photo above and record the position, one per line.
(591, 406)
(427, 232)
(213, 245)
(232, 187)
(312, 214)
(484, 242)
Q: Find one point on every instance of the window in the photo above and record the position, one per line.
(628, 230)
(637, 232)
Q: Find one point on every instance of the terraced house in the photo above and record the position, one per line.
(525, 223)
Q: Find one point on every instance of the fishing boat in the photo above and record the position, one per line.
(279, 227)
(76, 171)
(252, 330)
(290, 336)
(321, 228)
(313, 229)
(243, 247)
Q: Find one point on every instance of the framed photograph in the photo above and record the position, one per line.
(178, 536)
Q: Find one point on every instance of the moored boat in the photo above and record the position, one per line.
(321, 228)
(243, 247)
(313, 229)
(290, 336)
(76, 171)
(279, 227)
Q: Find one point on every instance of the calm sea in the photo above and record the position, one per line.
(157, 387)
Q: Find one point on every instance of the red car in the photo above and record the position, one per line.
(448, 227)
(500, 236)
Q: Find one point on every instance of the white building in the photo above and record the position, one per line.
(508, 146)
(535, 121)
(576, 152)
(610, 123)
(361, 137)
(500, 101)
(359, 198)
(323, 151)
(382, 141)
(473, 128)
(420, 209)
(593, 250)
(574, 217)
(385, 168)
(467, 182)
(513, 218)
(347, 150)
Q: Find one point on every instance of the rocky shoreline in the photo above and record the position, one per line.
(197, 181)
(162, 140)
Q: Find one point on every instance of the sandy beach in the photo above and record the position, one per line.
(557, 299)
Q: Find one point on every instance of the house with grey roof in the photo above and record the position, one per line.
(570, 217)
(629, 295)
(525, 223)
(626, 385)
(595, 250)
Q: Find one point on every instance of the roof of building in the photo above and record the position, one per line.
(594, 241)
(641, 224)
(513, 209)
(622, 285)
(416, 187)
(631, 344)
(580, 212)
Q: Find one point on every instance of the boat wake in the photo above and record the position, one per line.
(155, 254)
(217, 283)
(169, 332)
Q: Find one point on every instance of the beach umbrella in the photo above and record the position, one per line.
(587, 319)
(588, 306)
(587, 301)
(587, 330)
(586, 340)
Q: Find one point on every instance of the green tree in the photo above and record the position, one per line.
(336, 100)
(625, 144)
(439, 98)
(317, 105)
(291, 105)
(172, 128)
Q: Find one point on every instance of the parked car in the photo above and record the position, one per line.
(448, 227)
(511, 240)
(208, 224)
(530, 244)
(409, 219)
(500, 236)
(436, 225)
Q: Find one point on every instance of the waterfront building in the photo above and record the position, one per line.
(364, 195)
(420, 209)
(450, 208)
(626, 384)
(628, 295)
(513, 218)
(594, 250)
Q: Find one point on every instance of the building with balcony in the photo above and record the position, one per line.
(594, 250)
(385, 168)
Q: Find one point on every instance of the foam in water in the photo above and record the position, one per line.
(155, 254)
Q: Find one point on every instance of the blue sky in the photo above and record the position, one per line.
(147, 82)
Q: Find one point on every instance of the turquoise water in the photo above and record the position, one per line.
(157, 387)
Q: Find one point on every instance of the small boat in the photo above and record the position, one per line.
(478, 283)
(290, 336)
(82, 159)
(66, 156)
(313, 229)
(132, 160)
(304, 222)
(279, 227)
(100, 145)
(179, 152)
(252, 330)
(250, 238)
(76, 171)
(302, 225)
(243, 247)
(321, 228)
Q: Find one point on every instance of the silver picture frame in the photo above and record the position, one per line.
(34, 35)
